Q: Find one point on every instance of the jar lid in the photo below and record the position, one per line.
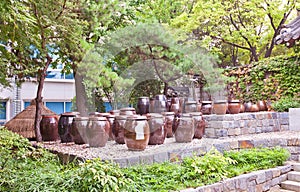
(103, 114)
(121, 117)
(206, 102)
(154, 115)
(70, 114)
(97, 119)
(137, 117)
(168, 113)
(81, 118)
(234, 101)
(220, 101)
(196, 113)
(143, 97)
(127, 109)
(191, 102)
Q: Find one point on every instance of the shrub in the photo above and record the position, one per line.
(283, 104)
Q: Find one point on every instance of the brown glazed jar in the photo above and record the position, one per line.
(190, 106)
(96, 131)
(127, 111)
(220, 107)
(242, 108)
(248, 106)
(185, 130)
(78, 130)
(157, 129)
(160, 104)
(143, 105)
(111, 119)
(199, 125)
(136, 133)
(206, 107)
(107, 115)
(262, 105)
(64, 126)
(254, 108)
(49, 128)
(234, 106)
(169, 118)
(115, 112)
(118, 129)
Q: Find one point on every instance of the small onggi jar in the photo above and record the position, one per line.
(118, 128)
(136, 133)
(199, 125)
(169, 118)
(78, 130)
(157, 129)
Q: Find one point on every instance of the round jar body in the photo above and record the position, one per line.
(127, 111)
(157, 129)
(234, 106)
(190, 107)
(49, 128)
(143, 105)
(136, 133)
(96, 131)
(118, 129)
(206, 107)
(220, 107)
(78, 130)
(199, 125)
(185, 130)
(64, 126)
(169, 118)
(160, 104)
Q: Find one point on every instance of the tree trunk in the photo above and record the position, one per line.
(39, 100)
(81, 99)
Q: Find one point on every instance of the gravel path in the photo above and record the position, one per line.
(113, 150)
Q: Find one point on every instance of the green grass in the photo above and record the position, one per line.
(24, 168)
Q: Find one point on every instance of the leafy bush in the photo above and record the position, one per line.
(283, 104)
(25, 168)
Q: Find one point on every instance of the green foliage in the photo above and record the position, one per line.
(24, 168)
(284, 103)
(268, 79)
(255, 159)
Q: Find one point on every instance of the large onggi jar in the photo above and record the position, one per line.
(199, 125)
(169, 118)
(64, 126)
(78, 130)
(49, 128)
(185, 129)
(118, 128)
(157, 129)
(96, 131)
(136, 133)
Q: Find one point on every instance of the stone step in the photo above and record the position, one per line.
(285, 190)
(296, 166)
(291, 185)
(294, 176)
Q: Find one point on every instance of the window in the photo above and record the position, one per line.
(55, 73)
(59, 107)
(2, 110)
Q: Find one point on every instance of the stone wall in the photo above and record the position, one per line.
(245, 123)
(264, 180)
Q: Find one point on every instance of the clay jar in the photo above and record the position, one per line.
(49, 128)
(96, 131)
(64, 126)
(78, 130)
(118, 129)
(234, 106)
(115, 112)
(127, 111)
(190, 106)
(199, 125)
(157, 129)
(185, 130)
(136, 133)
(206, 107)
(220, 107)
(143, 105)
(247, 106)
(169, 118)
(160, 104)
(262, 105)
(107, 115)
(254, 108)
